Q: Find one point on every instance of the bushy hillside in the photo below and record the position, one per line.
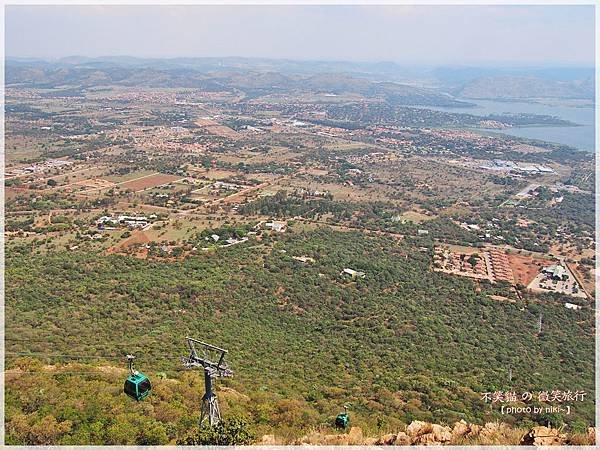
(403, 343)
(254, 83)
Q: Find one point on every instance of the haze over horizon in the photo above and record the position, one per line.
(540, 35)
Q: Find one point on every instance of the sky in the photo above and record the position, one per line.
(426, 34)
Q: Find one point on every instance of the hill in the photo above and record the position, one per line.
(252, 82)
(526, 87)
(402, 344)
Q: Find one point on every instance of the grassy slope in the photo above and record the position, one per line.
(404, 343)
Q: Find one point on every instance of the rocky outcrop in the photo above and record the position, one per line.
(540, 436)
(423, 433)
(402, 439)
(460, 429)
(386, 439)
(418, 428)
(461, 433)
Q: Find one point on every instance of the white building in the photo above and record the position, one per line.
(278, 227)
(353, 273)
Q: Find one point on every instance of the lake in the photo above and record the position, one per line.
(582, 137)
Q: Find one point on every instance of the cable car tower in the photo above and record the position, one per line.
(212, 360)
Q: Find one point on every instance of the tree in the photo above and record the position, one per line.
(153, 434)
(232, 431)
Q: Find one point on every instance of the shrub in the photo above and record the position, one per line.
(233, 431)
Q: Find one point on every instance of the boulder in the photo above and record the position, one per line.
(402, 439)
(426, 439)
(460, 429)
(371, 441)
(474, 430)
(441, 433)
(418, 428)
(387, 439)
(490, 430)
(335, 439)
(438, 435)
(541, 436)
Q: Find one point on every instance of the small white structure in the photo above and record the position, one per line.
(226, 186)
(572, 306)
(278, 227)
(304, 259)
(353, 273)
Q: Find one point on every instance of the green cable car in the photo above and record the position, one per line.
(137, 386)
(343, 419)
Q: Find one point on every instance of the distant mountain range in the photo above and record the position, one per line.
(253, 83)
(517, 87)
(439, 86)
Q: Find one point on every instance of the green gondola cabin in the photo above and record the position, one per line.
(342, 420)
(137, 386)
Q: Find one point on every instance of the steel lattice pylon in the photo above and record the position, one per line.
(204, 355)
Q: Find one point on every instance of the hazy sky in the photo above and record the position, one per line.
(405, 34)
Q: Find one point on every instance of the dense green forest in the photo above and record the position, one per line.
(403, 343)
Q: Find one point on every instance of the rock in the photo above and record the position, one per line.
(335, 439)
(440, 433)
(437, 435)
(387, 439)
(426, 439)
(402, 439)
(371, 441)
(268, 439)
(541, 436)
(460, 429)
(490, 429)
(474, 430)
(418, 428)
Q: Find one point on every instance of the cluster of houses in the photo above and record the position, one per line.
(557, 278)
(510, 166)
(499, 265)
(312, 192)
(111, 222)
(276, 226)
(468, 265)
(38, 167)
(226, 186)
(227, 242)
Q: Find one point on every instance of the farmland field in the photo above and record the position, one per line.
(149, 181)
